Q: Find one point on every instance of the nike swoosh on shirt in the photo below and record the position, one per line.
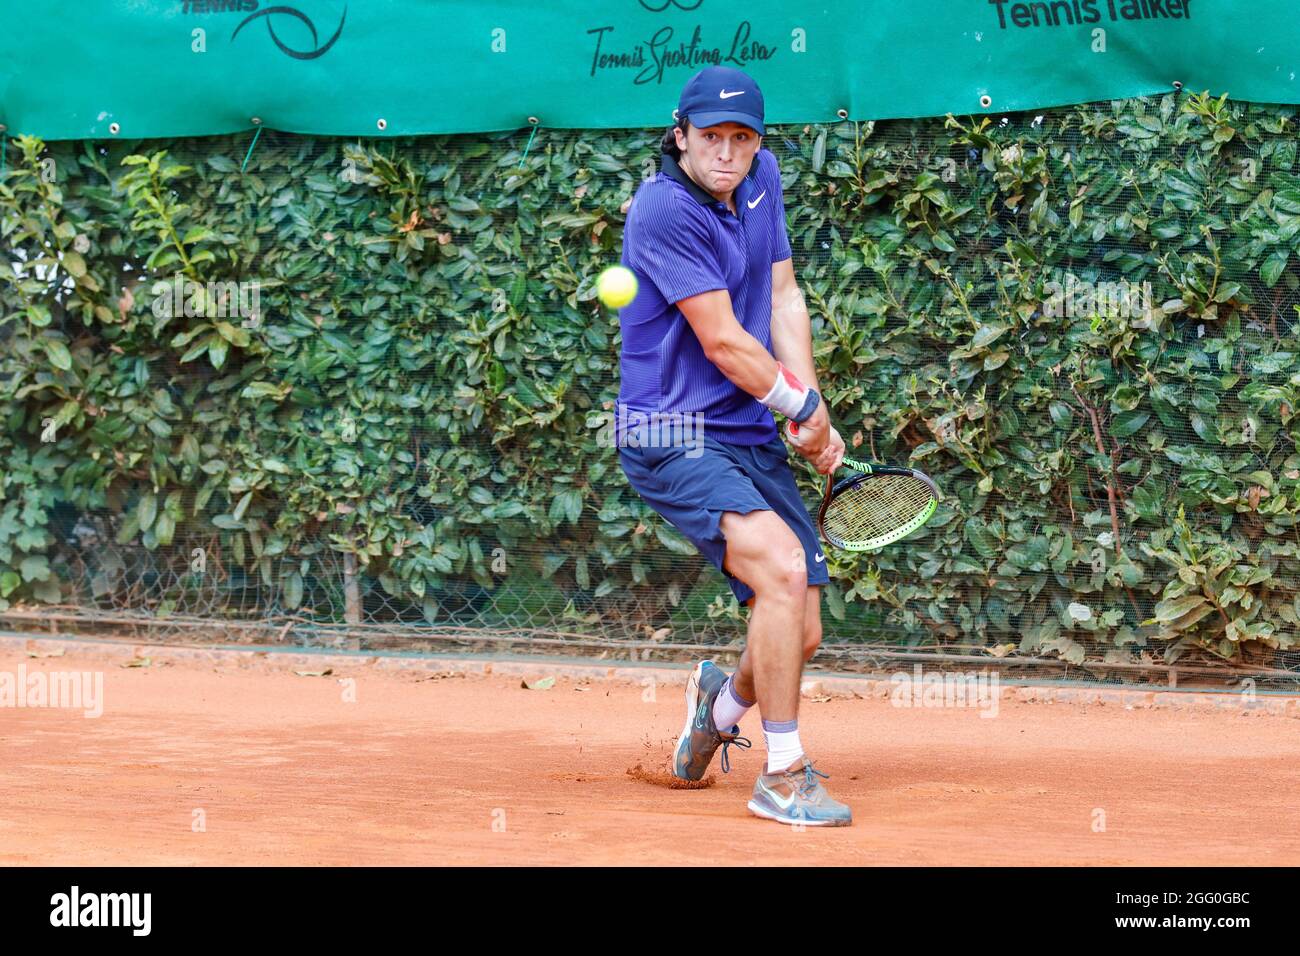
(724, 95)
(758, 200)
(820, 558)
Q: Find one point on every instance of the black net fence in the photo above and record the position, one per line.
(359, 393)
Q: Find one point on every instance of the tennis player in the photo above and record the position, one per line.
(719, 334)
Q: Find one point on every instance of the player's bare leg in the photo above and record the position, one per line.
(784, 631)
(763, 552)
(812, 639)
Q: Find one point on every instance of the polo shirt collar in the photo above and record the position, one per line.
(672, 168)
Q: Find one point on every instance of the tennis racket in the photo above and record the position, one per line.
(875, 506)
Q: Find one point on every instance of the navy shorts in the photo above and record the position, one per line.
(693, 492)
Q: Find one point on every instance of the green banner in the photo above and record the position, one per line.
(151, 68)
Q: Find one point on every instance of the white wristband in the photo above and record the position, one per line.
(791, 397)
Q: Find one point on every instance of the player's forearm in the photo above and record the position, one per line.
(750, 366)
(792, 335)
(745, 361)
(742, 358)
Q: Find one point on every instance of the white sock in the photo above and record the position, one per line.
(729, 707)
(783, 747)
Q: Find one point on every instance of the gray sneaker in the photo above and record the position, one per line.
(797, 796)
(700, 739)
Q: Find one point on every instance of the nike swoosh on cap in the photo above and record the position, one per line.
(724, 95)
(758, 200)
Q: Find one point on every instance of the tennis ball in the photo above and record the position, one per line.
(616, 286)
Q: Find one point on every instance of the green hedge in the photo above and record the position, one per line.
(425, 384)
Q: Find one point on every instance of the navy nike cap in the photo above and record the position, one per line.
(720, 94)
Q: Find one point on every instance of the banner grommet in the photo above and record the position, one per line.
(114, 128)
(986, 101)
(382, 124)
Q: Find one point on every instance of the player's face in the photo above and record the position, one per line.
(718, 157)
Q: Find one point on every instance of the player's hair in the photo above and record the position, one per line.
(668, 144)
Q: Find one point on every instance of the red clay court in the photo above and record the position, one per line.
(441, 768)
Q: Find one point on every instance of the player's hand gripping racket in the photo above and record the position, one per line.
(875, 506)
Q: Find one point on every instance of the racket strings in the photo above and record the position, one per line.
(880, 508)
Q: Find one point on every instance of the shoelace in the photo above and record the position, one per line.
(808, 782)
(741, 742)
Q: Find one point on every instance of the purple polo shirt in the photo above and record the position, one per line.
(680, 241)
